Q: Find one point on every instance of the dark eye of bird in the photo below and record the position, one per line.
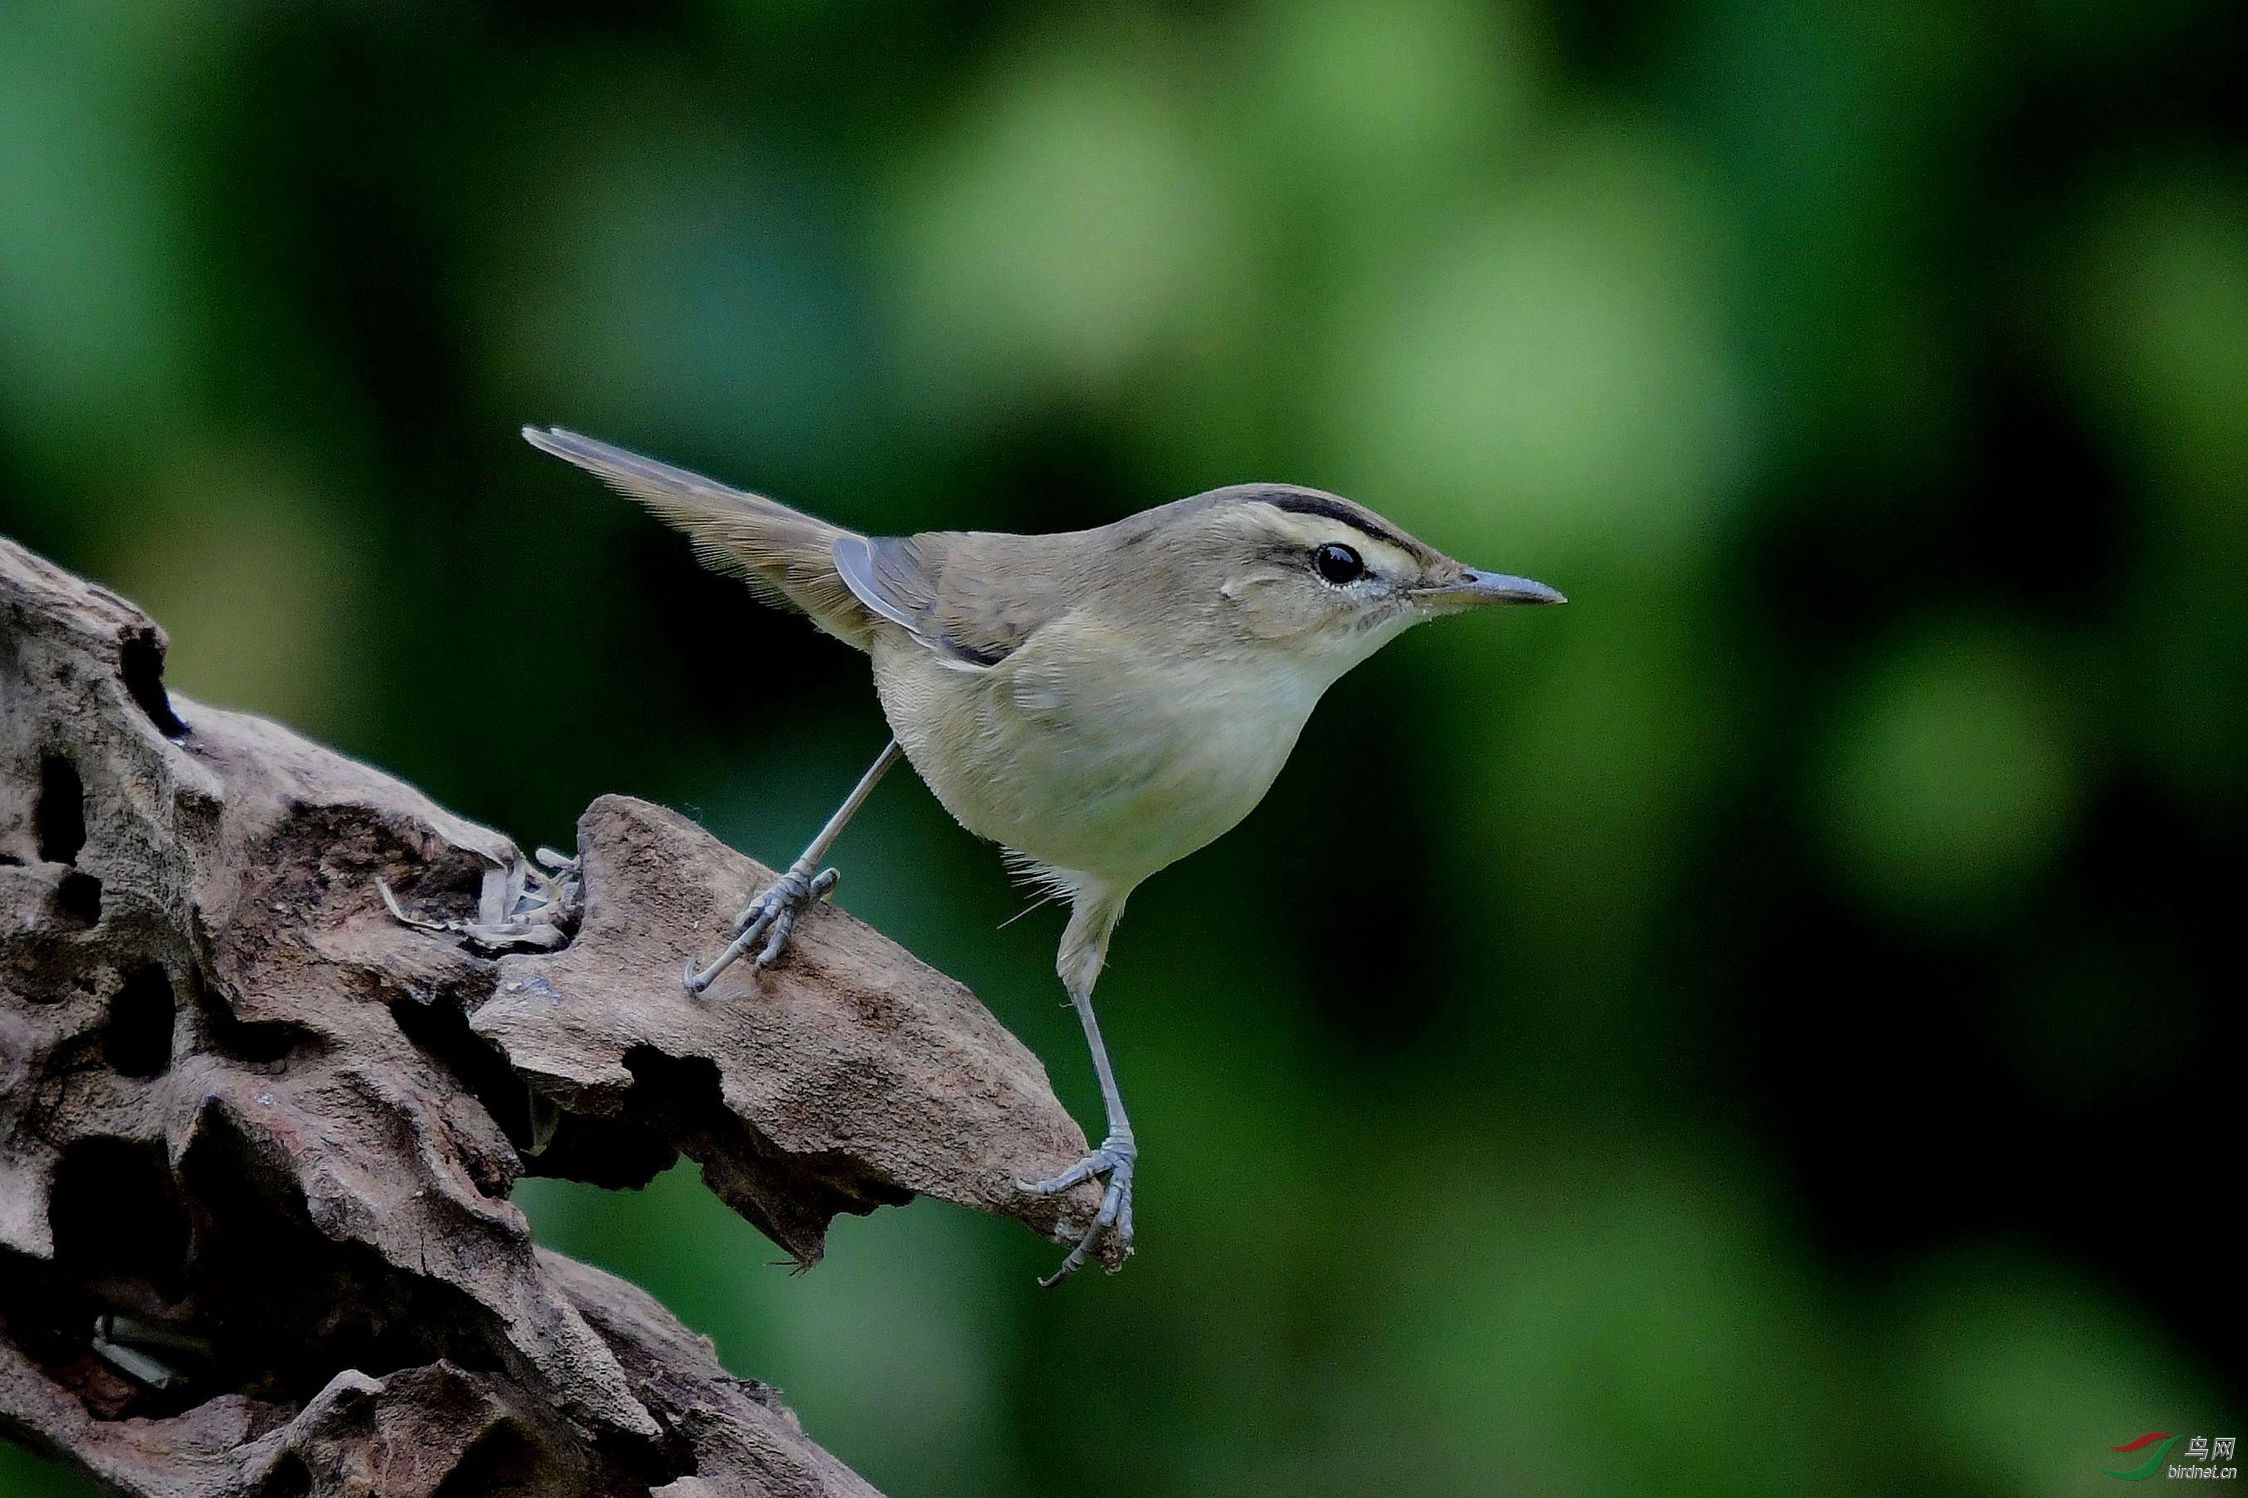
(1338, 563)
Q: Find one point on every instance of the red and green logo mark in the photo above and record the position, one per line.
(2153, 1463)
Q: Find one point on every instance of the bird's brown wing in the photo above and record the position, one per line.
(971, 597)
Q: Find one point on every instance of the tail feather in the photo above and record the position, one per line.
(785, 556)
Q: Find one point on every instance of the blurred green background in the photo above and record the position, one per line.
(1757, 1030)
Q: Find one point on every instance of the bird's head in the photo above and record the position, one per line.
(1321, 578)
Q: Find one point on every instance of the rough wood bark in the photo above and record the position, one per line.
(257, 1135)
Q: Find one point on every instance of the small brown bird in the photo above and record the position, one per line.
(1100, 703)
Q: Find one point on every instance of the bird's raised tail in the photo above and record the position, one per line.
(786, 557)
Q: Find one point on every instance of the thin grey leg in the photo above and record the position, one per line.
(773, 914)
(1113, 1160)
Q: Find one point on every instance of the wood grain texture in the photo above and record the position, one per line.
(276, 1129)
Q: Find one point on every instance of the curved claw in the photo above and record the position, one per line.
(1084, 1170)
(771, 917)
(782, 926)
(754, 912)
(1114, 1160)
(1112, 1205)
(783, 903)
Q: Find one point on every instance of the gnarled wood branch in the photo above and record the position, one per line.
(257, 1133)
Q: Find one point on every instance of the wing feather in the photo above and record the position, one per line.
(953, 590)
(786, 556)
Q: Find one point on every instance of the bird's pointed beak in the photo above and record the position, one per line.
(1476, 588)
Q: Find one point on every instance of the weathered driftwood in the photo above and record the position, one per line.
(257, 1133)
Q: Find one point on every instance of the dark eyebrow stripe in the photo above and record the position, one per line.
(1335, 509)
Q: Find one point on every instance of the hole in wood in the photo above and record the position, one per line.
(138, 1040)
(118, 1216)
(59, 819)
(78, 899)
(141, 663)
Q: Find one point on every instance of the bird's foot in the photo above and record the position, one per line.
(771, 917)
(1112, 1163)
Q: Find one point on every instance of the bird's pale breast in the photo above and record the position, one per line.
(1089, 759)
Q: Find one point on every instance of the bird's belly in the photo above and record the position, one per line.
(1132, 809)
(1113, 794)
